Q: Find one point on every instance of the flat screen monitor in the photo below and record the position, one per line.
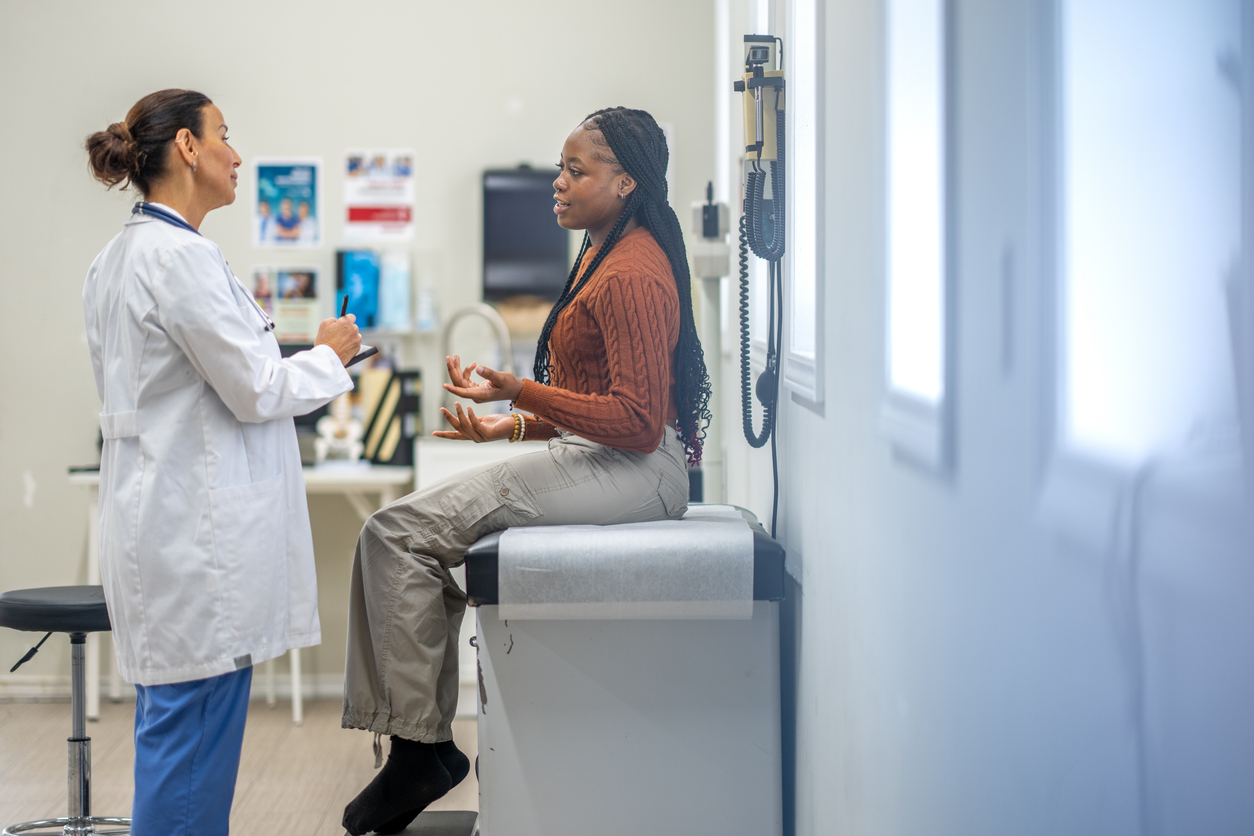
(524, 250)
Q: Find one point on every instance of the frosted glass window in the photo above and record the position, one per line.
(802, 102)
(1151, 210)
(916, 195)
(802, 372)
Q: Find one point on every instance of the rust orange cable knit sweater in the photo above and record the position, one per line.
(611, 351)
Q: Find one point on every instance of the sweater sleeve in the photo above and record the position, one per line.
(538, 429)
(638, 321)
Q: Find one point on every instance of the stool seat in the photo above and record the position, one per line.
(55, 609)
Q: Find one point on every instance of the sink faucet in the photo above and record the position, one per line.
(501, 330)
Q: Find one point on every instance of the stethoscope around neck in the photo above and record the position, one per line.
(169, 217)
(174, 220)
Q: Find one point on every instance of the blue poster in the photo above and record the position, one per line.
(285, 211)
(357, 277)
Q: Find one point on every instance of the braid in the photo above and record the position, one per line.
(638, 146)
(542, 369)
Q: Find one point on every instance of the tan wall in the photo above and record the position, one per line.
(472, 85)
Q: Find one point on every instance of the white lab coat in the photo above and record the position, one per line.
(205, 549)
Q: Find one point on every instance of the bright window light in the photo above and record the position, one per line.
(803, 105)
(916, 195)
(1150, 226)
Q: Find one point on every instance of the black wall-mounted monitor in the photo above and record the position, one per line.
(524, 250)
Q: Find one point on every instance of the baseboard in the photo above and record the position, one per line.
(49, 688)
(21, 687)
(323, 686)
(468, 700)
(331, 687)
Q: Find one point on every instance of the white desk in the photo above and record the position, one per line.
(354, 483)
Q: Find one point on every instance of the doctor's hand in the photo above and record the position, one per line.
(342, 335)
(495, 386)
(470, 427)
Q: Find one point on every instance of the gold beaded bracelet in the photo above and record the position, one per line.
(518, 428)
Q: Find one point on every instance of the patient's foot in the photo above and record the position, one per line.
(412, 778)
(458, 766)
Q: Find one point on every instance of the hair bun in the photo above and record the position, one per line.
(122, 132)
(113, 154)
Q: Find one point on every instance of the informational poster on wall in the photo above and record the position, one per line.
(379, 195)
(290, 296)
(357, 277)
(286, 203)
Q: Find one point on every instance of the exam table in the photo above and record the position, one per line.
(626, 715)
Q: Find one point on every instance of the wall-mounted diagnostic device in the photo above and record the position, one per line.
(524, 251)
(762, 231)
(762, 224)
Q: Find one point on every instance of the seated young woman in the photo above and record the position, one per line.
(620, 393)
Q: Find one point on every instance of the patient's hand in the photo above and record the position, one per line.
(495, 386)
(470, 427)
(459, 376)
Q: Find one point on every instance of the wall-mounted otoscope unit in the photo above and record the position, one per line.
(761, 231)
(762, 224)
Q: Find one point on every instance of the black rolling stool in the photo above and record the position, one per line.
(77, 610)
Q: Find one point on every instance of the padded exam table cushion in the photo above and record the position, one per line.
(483, 566)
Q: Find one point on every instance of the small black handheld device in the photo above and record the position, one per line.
(366, 350)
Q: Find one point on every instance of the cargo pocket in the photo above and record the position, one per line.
(250, 549)
(466, 505)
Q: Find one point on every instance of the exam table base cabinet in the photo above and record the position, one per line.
(622, 728)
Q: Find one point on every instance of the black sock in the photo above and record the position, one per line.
(411, 779)
(458, 766)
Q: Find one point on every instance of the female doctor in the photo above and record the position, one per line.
(205, 548)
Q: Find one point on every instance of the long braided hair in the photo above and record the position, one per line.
(634, 143)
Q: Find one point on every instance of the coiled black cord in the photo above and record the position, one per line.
(754, 186)
(746, 400)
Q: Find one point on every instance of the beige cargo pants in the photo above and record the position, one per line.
(405, 610)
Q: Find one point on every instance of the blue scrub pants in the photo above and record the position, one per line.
(187, 747)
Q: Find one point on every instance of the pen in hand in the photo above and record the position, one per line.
(366, 350)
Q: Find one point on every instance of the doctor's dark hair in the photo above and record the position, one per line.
(632, 142)
(134, 151)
